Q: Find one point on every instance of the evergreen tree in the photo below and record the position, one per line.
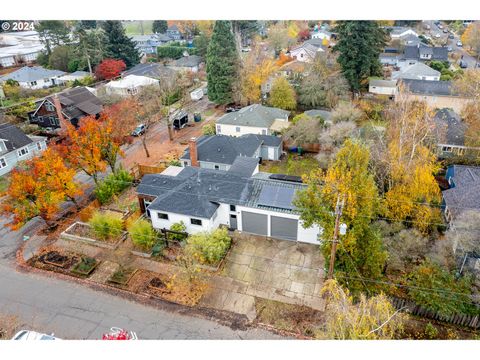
(53, 33)
(116, 45)
(359, 44)
(159, 26)
(87, 24)
(222, 61)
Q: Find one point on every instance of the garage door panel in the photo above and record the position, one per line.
(255, 223)
(284, 228)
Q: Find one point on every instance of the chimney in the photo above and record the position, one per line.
(192, 144)
(58, 108)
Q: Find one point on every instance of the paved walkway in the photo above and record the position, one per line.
(278, 270)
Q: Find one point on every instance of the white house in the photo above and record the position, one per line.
(416, 71)
(253, 119)
(129, 85)
(398, 32)
(204, 199)
(308, 50)
(34, 77)
(383, 87)
(15, 146)
(19, 47)
(321, 34)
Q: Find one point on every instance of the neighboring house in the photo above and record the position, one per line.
(174, 33)
(34, 77)
(383, 87)
(410, 39)
(129, 85)
(205, 199)
(449, 135)
(437, 94)
(22, 47)
(77, 75)
(147, 44)
(321, 34)
(390, 56)
(416, 71)
(75, 103)
(308, 50)
(15, 146)
(191, 63)
(219, 152)
(422, 52)
(464, 191)
(253, 119)
(152, 70)
(399, 32)
(324, 114)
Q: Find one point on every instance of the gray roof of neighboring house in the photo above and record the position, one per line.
(187, 61)
(244, 166)
(414, 51)
(426, 87)
(173, 27)
(224, 149)
(195, 191)
(31, 73)
(255, 115)
(465, 195)
(398, 30)
(449, 127)
(415, 71)
(318, 43)
(383, 83)
(324, 114)
(153, 70)
(15, 138)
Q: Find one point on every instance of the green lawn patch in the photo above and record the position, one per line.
(293, 164)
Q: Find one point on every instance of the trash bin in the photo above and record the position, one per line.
(197, 117)
(300, 150)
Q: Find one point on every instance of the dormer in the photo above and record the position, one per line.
(3, 145)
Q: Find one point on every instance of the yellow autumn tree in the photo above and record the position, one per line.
(412, 190)
(471, 37)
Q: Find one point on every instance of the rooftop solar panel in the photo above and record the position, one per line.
(277, 197)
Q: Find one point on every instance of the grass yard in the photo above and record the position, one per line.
(292, 164)
(134, 27)
(4, 183)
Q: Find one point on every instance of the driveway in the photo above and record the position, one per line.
(280, 270)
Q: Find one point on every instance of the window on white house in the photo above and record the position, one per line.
(447, 148)
(39, 146)
(237, 129)
(301, 55)
(264, 132)
(233, 208)
(219, 129)
(33, 83)
(162, 216)
(3, 163)
(23, 151)
(217, 167)
(196, 222)
(185, 163)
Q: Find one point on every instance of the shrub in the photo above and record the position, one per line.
(112, 185)
(106, 226)
(209, 129)
(142, 234)
(208, 247)
(180, 227)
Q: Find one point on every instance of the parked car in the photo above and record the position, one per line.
(139, 130)
(437, 35)
(449, 49)
(459, 43)
(463, 64)
(196, 94)
(451, 36)
(33, 335)
(232, 108)
(427, 27)
(445, 30)
(440, 26)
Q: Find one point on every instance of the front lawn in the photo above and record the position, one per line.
(292, 164)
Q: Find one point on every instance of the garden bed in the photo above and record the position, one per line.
(83, 232)
(85, 266)
(54, 258)
(122, 276)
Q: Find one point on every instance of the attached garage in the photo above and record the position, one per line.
(255, 223)
(284, 228)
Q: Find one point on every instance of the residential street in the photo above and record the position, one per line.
(72, 311)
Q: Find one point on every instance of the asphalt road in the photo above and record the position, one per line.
(72, 311)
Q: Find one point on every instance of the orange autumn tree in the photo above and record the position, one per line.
(123, 115)
(38, 188)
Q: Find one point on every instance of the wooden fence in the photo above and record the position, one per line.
(139, 170)
(471, 321)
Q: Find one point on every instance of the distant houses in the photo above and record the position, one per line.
(19, 47)
(129, 85)
(34, 77)
(307, 51)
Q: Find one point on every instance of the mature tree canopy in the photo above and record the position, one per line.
(117, 45)
(53, 33)
(222, 63)
(282, 95)
(159, 26)
(61, 58)
(359, 45)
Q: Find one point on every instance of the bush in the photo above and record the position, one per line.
(142, 234)
(174, 52)
(106, 226)
(208, 247)
(180, 227)
(209, 129)
(112, 185)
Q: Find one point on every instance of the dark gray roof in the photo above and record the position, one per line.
(465, 193)
(187, 61)
(195, 191)
(255, 115)
(383, 83)
(413, 52)
(244, 165)
(267, 140)
(153, 70)
(426, 87)
(449, 127)
(224, 149)
(13, 136)
(31, 73)
(324, 114)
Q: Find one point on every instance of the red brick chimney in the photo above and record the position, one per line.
(192, 144)
(58, 108)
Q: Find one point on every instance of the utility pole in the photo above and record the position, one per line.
(338, 214)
